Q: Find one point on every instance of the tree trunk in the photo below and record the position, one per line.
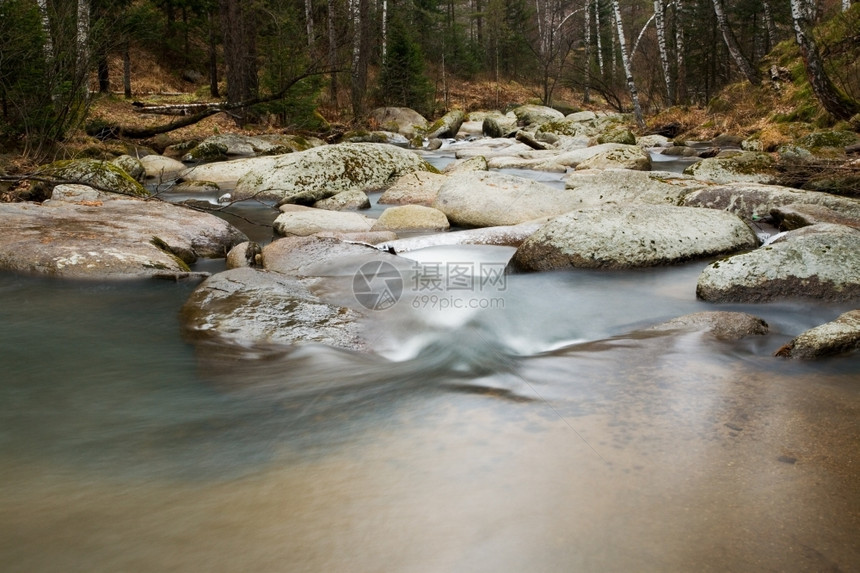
(586, 88)
(126, 70)
(332, 51)
(660, 22)
(82, 62)
(680, 52)
(770, 25)
(359, 57)
(240, 52)
(746, 68)
(103, 74)
(628, 73)
(597, 36)
(309, 22)
(213, 57)
(46, 30)
(837, 104)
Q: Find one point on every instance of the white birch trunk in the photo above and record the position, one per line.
(660, 22)
(846, 5)
(384, 30)
(597, 36)
(586, 96)
(769, 24)
(83, 46)
(309, 22)
(732, 44)
(46, 30)
(680, 50)
(628, 72)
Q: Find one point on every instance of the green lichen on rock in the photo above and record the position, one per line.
(824, 139)
(101, 175)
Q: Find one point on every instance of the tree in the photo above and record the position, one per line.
(402, 81)
(238, 25)
(628, 72)
(836, 103)
(747, 69)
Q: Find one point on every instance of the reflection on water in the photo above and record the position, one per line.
(547, 435)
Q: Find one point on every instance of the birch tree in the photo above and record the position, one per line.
(680, 52)
(660, 22)
(309, 23)
(743, 64)
(835, 102)
(625, 61)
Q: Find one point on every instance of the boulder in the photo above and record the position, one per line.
(821, 261)
(418, 188)
(752, 200)
(631, 236)
(727, 326)
(447, 126)
(749, 166)
(132, 166)
(821, 141)
(296, 220)
(161, 168)
(837, 337)
(680, 151)
(102, 175)
(536, 115)
(310, 176)
(626, 157)
(796, 216)
(83, 233)
(319, 256)
(389, 137)
(574, 157)
(476, 163)
(411, 218)
(649, 141)
(247, 254)
(582, 125)
(619, 134)
(488, 199)
(596, 187)
(345, 201)
(207, 151)
(248, 306)
(506, 236)
(402, 120)
(228, 173)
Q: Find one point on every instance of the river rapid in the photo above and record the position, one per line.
(538, 427)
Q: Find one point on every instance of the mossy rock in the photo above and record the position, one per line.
(102, 175)
(617, 135)
(207, 151)
(824, 139)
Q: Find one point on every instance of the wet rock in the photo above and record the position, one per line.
(752, 200)
(618, 134)
(228, 173)
(796, 216)
(536, 114)
(83, 233)
(402, 120)
(302, 221)
(132, 166)
(728, 326)
(837, 337)
(318, 256)
(574, 157)
(345, 201)
(821, 261)
(411, 218)
(597, 187)
(418, 188)
(748, 166)
(247, 254)
(680, 151)
(207, 151)
(447, 126)
(368, 237)
(507, 236)
(626, 157)
(488, 199)
(528, 139)
(476, 163)
(99, 174)
(247, 306)
(196, 187)
(631, 236)
(161, 168)
(378, 136)
(650, 141)
(491, 127)
(310, 176)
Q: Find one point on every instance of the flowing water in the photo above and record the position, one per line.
(534, 426)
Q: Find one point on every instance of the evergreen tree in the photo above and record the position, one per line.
(402, 81)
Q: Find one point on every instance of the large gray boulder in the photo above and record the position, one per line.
(227, 173)
(528, 115)
(753, 200)
(83, 233)
(630, 236)
(749, 166)
(161, 168)
(507, 236)
(247, 306)
(626, 157)
(318, 173)
(318, 256)
(833, 338)
(345, 201)
(596, 187)
(488, 199)
(446, 126)
(573, 157)
(821, 261)
(402, 120)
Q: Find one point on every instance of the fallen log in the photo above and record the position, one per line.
(181, 109)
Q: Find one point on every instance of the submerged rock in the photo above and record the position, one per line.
(630, 236)
(83, 233)
(821, 261)
(309, 176)
(837, 337)
(249, 306)
(728, 326)
(488, 199)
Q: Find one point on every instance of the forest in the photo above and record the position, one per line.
(288, 59)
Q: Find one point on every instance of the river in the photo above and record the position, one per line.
(542, 430)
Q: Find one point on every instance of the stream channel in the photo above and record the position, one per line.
(541, 429)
